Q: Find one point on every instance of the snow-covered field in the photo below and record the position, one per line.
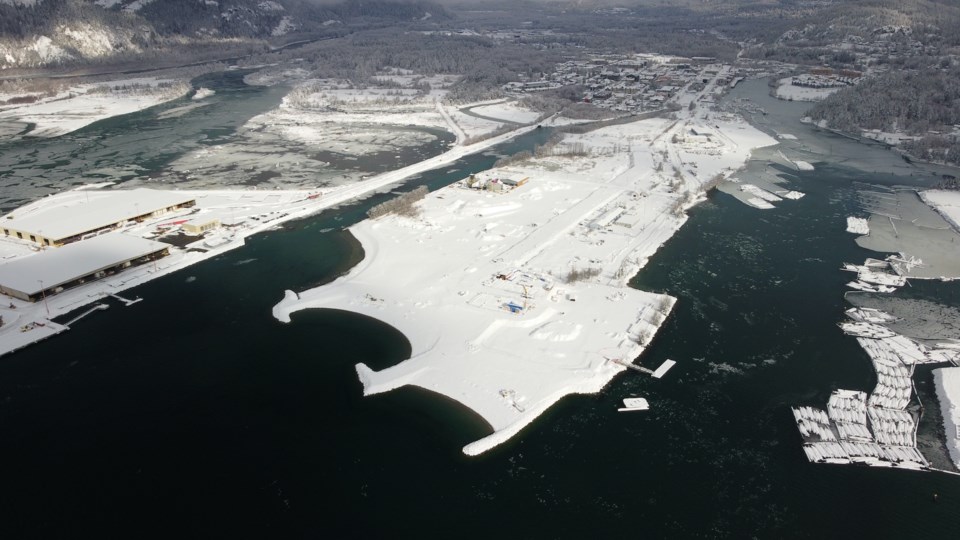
(472, 126)
(509, 111)
(478, 282)
(85, 104)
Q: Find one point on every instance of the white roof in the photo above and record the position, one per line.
(61, 265)
(75, 212)
(203, 220)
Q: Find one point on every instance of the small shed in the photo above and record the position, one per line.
(512, 182)
(200, 225)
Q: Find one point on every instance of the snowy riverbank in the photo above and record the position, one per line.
(947, 381)
(787, 90)
(946, 203)
(84, 104)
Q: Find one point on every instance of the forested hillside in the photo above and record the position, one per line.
(911, 101)
(924, 103)
(902, 30)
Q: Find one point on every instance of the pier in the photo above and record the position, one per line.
(126, 301)
(97, 307)
(656, 374)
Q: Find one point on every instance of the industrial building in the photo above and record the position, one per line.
(78, 215)
(51, 271)
(494, 183)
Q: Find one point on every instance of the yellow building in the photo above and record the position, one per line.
(197, 227)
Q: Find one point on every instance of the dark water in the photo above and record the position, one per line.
(195, 413)
(136, 142)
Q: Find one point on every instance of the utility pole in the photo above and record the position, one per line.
(43, 293)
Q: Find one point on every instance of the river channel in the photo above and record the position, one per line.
(196, 413)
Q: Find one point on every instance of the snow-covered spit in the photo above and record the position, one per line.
(84, 104)
(480, 281)
(946, 203)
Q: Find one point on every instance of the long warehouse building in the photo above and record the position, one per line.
(54, 270)
(76, 215)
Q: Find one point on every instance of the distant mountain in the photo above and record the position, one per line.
(38, 33)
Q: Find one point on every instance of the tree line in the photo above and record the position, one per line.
(924, 103)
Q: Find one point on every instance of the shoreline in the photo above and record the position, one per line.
(81, 105)
(952, 220)
(949, 399)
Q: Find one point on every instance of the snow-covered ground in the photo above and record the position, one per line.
(947, 381)
(787, 90)
(472, 126)
(476, 120)
(85, 104)
(478, 282)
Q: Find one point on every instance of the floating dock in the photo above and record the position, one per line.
(634, 404)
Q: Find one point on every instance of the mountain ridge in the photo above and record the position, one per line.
(47, 33)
